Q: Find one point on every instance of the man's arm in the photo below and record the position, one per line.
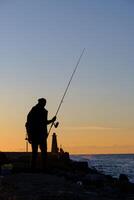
(52, 120)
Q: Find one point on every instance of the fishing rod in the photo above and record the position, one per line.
(64, 94)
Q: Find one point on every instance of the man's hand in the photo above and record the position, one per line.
(53, 119)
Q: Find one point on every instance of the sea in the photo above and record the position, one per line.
(110, 164)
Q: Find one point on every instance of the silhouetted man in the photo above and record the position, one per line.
(36, 126)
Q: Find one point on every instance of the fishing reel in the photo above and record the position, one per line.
(56, 124)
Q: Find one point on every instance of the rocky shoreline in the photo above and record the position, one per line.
(63, 179)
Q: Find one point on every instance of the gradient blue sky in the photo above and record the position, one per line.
(40, 42)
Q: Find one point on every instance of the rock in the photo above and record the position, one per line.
(97, 180)
(123, 178)
(95, 177)
(124, 184)
(80, 166)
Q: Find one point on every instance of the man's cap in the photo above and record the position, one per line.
(42, 100)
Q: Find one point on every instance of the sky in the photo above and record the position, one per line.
(40, 43)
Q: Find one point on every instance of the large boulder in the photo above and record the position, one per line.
(123, 178)
(96, 179)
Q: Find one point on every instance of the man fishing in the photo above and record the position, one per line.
(36, 127)
(37, 123)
